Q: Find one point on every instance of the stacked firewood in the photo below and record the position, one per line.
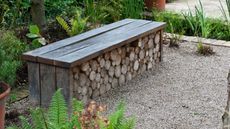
(111, 69)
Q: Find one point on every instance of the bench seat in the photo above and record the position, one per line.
(66, 63)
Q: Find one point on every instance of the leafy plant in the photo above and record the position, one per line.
(3, 10)
(204, 49)
(132, 8)
(16, 12)
(77, 24)
(81, 118)
(175, 38)
(199, 21)
(11, 49)
(34, 34)
(60, 7)
(112, 10)
(95, 10)
(226, 14)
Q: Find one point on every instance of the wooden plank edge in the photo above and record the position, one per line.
(78, 62)
(59, 43)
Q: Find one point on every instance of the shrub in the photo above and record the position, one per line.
(218, 29)
(77, 24)
(132, 8)
(11, 49)
(88, 118)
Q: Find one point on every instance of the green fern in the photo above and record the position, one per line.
(118, 120)
(77, 24)
(57, 114)
(77, 105)
(57, 117)
(39, 120)
(64, 24)
(25, 123)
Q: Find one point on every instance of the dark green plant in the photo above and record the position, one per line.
(77, 24)
(113, 10)
(204, 49)
(176, 20)
(218, 29)
(198, 22)
(175, 38)
(88, 118)
(60, 7)
(3, 10)
(16, 13)
(132, 8)
(226, 14)
(37, 39)
(94, 11)
(11, 49)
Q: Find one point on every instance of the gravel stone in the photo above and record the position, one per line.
(186, 91)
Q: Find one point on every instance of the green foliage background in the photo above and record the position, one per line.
(11, 49)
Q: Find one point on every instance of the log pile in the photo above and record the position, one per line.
(111, 69)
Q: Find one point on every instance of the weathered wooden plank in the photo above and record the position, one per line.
(94, 50)
(48, 83)
(34, 83)
(64, 80)
(52, 55)
(31, 55)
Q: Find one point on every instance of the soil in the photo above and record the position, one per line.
(16, 109)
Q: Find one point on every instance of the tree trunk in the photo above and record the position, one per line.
(38, 13)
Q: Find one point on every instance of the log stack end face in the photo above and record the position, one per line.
(114, 68)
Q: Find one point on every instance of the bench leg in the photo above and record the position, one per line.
(64, 80)
(34, 83)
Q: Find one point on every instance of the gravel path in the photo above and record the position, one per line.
(187, 91)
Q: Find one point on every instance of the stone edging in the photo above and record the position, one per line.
(193, 39)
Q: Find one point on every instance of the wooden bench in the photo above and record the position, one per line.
(88, 65)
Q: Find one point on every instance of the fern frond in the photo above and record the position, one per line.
(39, 121)
(64, 24)
(77, 105)
(128, 124)
(117, 117)
(58, 111)
(25, 123)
